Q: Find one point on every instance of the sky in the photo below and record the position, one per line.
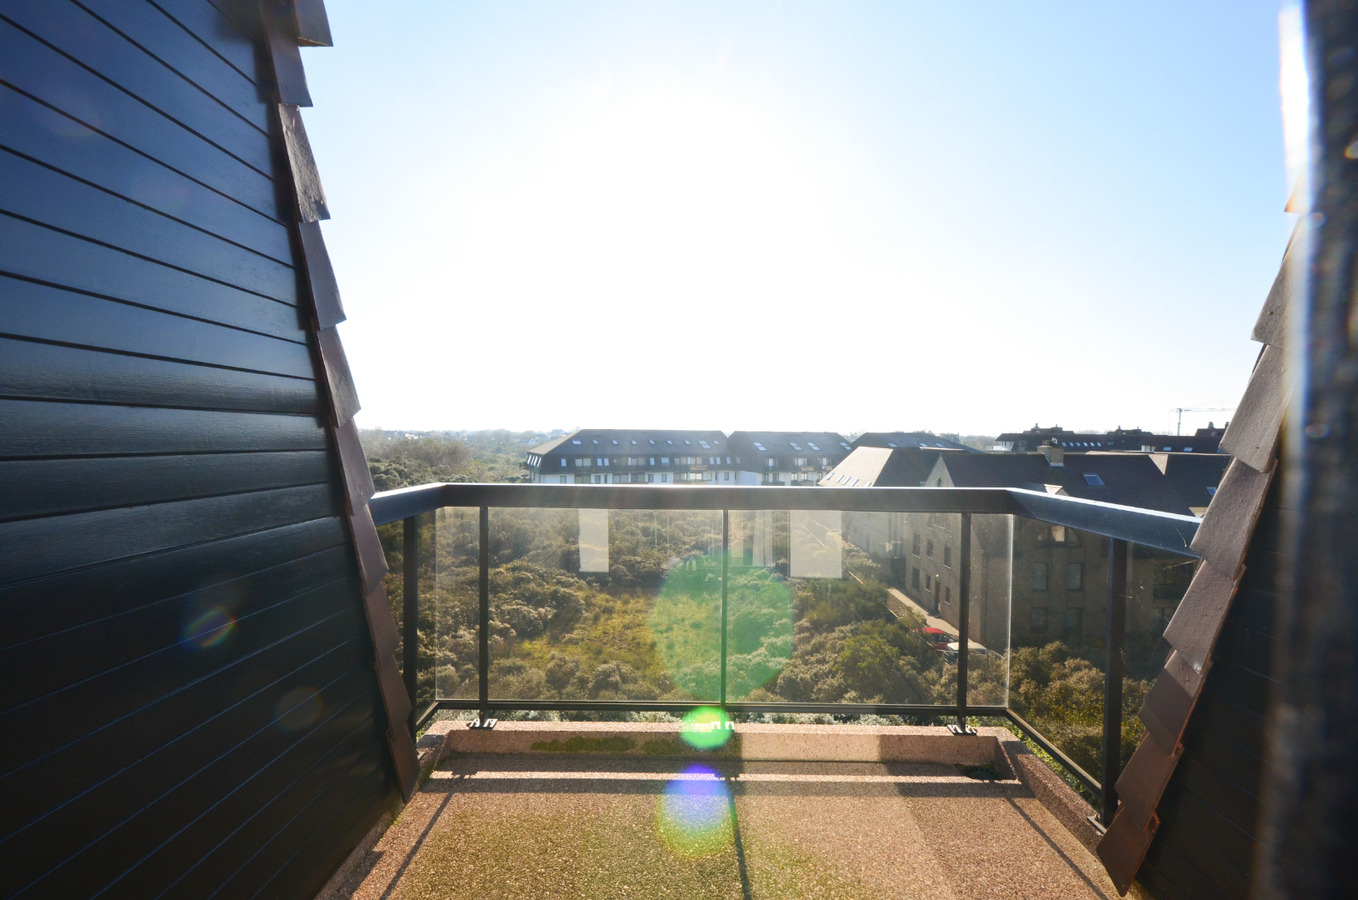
(772, 215)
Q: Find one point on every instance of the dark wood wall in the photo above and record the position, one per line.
(1209, 815)
(189, 704)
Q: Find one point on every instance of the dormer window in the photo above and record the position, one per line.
(1093, 480)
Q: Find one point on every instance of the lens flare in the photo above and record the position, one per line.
(209, 629)
(706, 728)
(297, 709)
(686, 625)
(694, 815)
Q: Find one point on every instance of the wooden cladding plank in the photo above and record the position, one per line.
(317, 861)
(47, 487)
(358, 481)
(328, 310)
(1230, 721)
(1202, 836)
(1144, 778)
(343, 395)
(313, 25)
(372, 563)
(244, 863)
(167, 41)
(39, 71)
(99, 596)
(37, 371)
(91, 856)
(146, 703)
(217, 32)
(306, 179)
(1166, 862)
(1224, 535)
(192, 622)
(1229, 760)
(1170, 702)
(111, 784)
(1252, 436)
(45, 196)
(39, 547)
(381, 623)
(280, 34)
(38, 429)
(34, 130)
(1270, 328)
(1232, 802)
(44, 313)
(1123, 847)
(1198, 619)
(1248, 649)
(33, 252)
(76, 34)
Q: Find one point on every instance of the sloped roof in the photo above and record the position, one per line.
(894, 439)
(883, 467)
(1192, 474)
(788, 443)
(621, 440)
(1128, 479)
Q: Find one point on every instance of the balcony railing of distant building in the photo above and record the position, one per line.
(1124, 529)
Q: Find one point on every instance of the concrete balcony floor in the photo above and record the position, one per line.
(554, 825)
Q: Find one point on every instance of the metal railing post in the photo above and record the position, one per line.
(1112, 684)
(410, 590)
(963, 624)
(483, 619)
(725, 555)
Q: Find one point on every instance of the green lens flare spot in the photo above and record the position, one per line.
(706, 728)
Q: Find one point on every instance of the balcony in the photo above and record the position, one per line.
(549, 610)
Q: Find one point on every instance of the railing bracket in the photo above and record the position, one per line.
(485, 724)
(1098, 826)
(961, 730)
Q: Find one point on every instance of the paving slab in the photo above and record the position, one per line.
(568, 826)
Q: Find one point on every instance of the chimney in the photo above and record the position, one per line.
(1056, 454)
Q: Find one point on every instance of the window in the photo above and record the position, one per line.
(1188, 449)
(929, 584)
(1075, 577)
(947, 557)
(1072, 621)
(563, 479)
(916, 545)
(1093, 480)
(650, 477)
(664, 460)
(947, 595)
(772, 463)
(914, 578)
(652, 460)
(563, 463)
(929, 549)
(1211, 491)
(813, 446)
(1039, 576)
(576, 443)
(726, 476)
(1037, 619)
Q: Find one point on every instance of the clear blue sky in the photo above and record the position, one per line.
(788, 215)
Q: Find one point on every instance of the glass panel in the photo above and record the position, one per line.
(607, 605)
(1155, 585)
(1058, 630)
(818, 612)
(991, 572)
(448, 614)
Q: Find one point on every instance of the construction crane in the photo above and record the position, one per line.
(1178, 429)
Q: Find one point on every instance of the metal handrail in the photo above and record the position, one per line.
(1148, 528)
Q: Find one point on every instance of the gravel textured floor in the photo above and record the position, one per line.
(516, 827)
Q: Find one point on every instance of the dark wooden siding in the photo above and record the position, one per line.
(1209, 814)
(189, 703)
